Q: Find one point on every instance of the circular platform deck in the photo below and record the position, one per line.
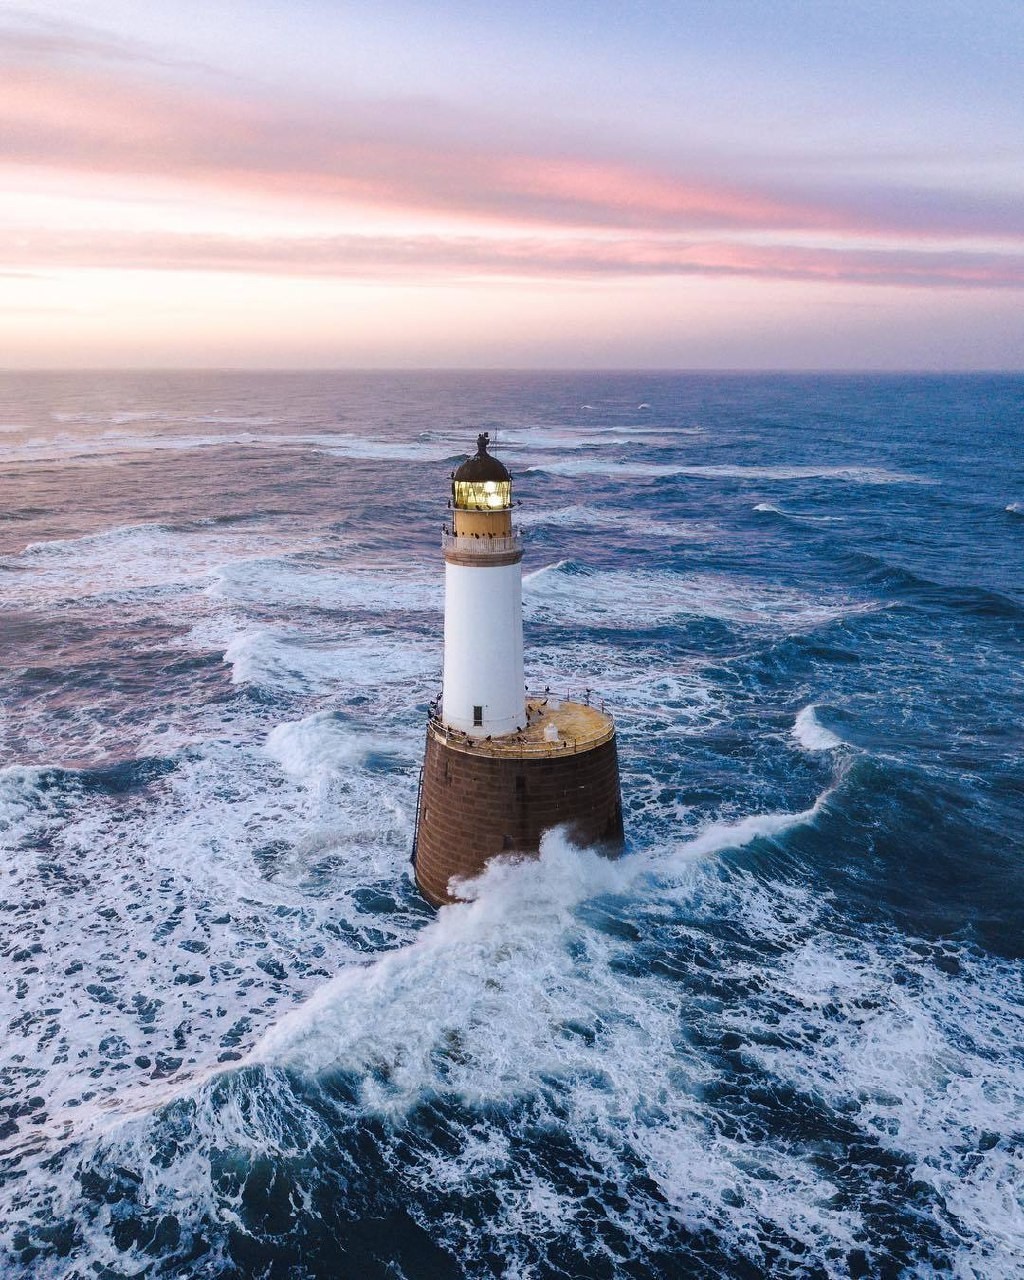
(578, 725)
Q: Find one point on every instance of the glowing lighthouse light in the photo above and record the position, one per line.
(483, 691)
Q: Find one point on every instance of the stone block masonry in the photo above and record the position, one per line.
(476, 802)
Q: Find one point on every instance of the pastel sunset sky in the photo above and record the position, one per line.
(798, 184)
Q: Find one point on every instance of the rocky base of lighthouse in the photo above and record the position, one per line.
(482, 798)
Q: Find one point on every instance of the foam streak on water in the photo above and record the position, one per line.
(781, 1036)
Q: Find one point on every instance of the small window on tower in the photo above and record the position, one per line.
(478, 715)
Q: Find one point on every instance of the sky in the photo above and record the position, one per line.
(707, 184)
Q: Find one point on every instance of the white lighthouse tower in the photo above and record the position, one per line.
(483, 693)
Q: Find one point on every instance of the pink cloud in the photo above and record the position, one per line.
(79, 107)
(429, 257)
(626, 194)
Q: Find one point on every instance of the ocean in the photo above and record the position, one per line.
(782, 1036)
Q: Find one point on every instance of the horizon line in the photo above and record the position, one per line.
(674, 370)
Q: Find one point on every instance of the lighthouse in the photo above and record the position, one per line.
(482, 693)
(501, 765)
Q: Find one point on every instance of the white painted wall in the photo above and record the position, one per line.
(483, 648)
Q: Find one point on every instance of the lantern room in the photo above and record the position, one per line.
(482, 495)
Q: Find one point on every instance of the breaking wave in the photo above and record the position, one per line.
(538, 1004)
(769, 508)
(812, 734)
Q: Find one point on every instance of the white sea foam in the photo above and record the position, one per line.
(169, 898)
(730, 471)
(93, 448)
(321, 744)
(642, 684)
(924, 1065)
(566, 439)
(799, 516)
(625, 521)
(126, 417)
(263, 658)
(1016, 508)
(125, 535)
(571, 593)
(277, 582)
(812, 734)
(85, 446)
(23, 807)
(227, 419)
(371, 449)
(560, 438)
(299, 662)
(180, 916)
(736, 833)
(92, 417)
(115, 563)
(474, 957)
(514, 994)
(523, 996)
(514, 908)
(669, 429)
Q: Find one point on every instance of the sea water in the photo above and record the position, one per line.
(784, 1035)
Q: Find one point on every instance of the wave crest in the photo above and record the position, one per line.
(812, 734)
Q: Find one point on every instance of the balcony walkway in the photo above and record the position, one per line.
(579, 727)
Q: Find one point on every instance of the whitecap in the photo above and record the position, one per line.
(925, 1066)
(723, 471)
(473, 972)
(812, 734)
(515, 909)
(668, 429)
(736, 833)
(120, 534)
(618, 519)
(799, 517)
(118, 563)
(568, 592)
(278, 581)
(323, 744)
(22, 803)
(108, 444)
(299, 662)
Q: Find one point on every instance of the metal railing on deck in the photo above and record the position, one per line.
(511, 744)
(589, 697)
(500, 544)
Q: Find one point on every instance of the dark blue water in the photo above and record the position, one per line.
(783, 1036)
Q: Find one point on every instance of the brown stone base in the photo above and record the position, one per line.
(475, 804)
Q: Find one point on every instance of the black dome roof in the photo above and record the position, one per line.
(482, 466)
